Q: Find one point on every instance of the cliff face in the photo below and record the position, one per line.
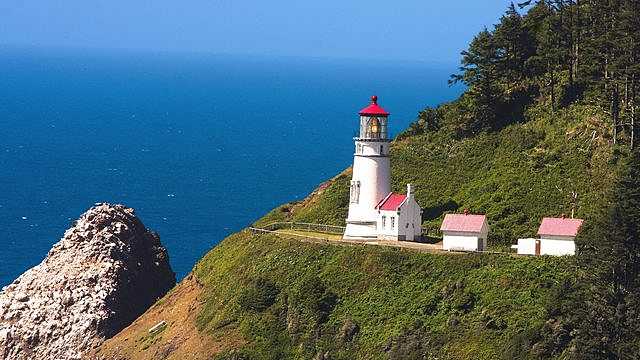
(106, 271)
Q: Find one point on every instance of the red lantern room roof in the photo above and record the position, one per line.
(374, 108)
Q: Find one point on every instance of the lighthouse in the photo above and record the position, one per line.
(370, 183)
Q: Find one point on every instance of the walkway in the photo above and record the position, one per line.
(330, 234)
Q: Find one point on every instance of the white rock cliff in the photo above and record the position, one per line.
(105, 272)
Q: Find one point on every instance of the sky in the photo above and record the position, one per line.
(408, 30)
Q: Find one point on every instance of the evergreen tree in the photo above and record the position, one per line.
(561, 51)
(515, 47)
(609, 259)
(480, 73)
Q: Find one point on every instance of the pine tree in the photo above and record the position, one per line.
(515, 47)
(479, 71)
(609, 258)
(546, 61)
(629, 63)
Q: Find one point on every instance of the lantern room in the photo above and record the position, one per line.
(373, 122)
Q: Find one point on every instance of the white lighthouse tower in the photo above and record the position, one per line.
(371, 173)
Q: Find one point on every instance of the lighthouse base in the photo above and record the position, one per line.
(361, 230)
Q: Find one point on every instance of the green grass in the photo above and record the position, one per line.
(516, 176)
(290, 300)
(464, 303)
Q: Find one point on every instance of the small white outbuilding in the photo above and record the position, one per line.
(557, 237)
(466, 232)
(399, 217)
(527, 246)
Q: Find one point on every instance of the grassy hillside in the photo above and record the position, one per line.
(549, 165)
(296, 300)
(544, 128)
(264, 297)
(269, 298)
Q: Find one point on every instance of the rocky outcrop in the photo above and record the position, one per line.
(105, 272)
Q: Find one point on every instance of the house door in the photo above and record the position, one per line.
(538, 247)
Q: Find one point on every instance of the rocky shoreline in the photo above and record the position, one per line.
(104, 273)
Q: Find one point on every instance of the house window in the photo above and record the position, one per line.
(355, 192)
(384, 221)
(393, 222)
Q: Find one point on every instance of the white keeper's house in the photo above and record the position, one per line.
(557, 237)
(374, 211)
(399, 217)
(465, 232)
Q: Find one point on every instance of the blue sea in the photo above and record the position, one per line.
(200, 145)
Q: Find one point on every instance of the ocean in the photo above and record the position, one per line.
(200, 145)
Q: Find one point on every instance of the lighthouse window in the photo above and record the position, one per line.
(359, 149)
(375, 128)
(381, 150)
(355, 192)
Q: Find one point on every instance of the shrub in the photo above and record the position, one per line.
(258, 296)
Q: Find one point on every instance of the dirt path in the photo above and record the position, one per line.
(322, 238)
(317, 237)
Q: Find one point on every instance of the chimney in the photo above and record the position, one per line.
(409, 190)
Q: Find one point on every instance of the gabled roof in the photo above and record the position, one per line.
(559, 226)
(463, 222)
(391, 202)
(374, 108)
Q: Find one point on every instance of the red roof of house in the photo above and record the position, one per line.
(374, 108)
(391, 202)
(560, 226)
(463, 222)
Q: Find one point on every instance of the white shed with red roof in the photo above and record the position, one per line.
(466, 232)
(557, 236)
(399, 217)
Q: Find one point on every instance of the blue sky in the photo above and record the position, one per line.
(432, 31)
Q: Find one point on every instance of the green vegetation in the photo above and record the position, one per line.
(600, 311)
(545, 127)
(409, 305)
(560, 52)
(553, 164)
(296, 300)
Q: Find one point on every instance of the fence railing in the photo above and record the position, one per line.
(289, 235)
(273, 228)
(322, 228)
